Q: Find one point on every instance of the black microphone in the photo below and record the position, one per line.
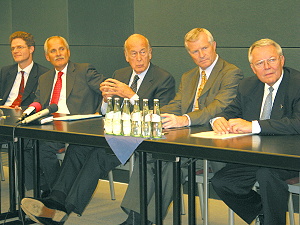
(33, 106)
(50, 109)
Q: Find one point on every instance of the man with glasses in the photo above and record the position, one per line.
(18, 83)
(22, 76)
(195, 103)
(266, 104)
(83, 166)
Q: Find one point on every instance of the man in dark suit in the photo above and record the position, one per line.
(153, 82)
(194, 104)
(83, 166)
(22, 46)
(266, 104)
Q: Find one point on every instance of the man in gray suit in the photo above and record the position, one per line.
(203, 92)
(83, 166)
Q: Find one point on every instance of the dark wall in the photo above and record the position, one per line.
(96, 29)
(235, 25)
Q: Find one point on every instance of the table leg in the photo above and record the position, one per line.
(177, 193)
(143, 187)
(36, 170)
(205, 194)
(158, 192)
(191, 192)
(11, 176)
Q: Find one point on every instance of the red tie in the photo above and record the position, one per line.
(57, 89)
(18, 100)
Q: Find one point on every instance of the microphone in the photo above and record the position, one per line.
(50, 109)
(33, 106)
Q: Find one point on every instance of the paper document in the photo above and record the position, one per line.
(213, 135)
(77, 117)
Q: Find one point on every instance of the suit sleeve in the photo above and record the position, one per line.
(225, 95)
(165, 91)
(94, 79)
(174, 106)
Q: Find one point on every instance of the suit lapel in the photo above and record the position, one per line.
(190, 91)
(213, 76)
(12, 74)
(147, 82)
(278, 104)
(32, 78)
(48, 88)
(70, 78)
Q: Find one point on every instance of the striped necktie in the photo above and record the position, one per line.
(18, 100)
(134, 83)
(201, 86)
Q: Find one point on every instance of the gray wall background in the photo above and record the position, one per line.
(97, 29)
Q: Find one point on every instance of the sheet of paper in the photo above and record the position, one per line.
(212, 135)
(77, 117)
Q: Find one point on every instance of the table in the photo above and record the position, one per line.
(270, 151)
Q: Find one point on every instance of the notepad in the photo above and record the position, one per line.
(77, 117)
(213, 135)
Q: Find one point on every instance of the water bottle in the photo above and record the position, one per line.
(146, 121)
(117, 123)
(136, 120)
(156, 121)
(108, 122)
(126, 120)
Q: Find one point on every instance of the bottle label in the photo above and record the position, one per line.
(117, 115)
(126, 116)
(109, 115)
(136, 116)
(148, 118)
(156, 118)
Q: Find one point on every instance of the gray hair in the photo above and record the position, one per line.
(262, 43)
(48, 39)
(193, 35)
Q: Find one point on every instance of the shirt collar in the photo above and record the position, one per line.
(210, 68)
(64, 70)
(276, 85)
(26, 69)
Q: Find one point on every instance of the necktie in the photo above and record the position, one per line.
(18, 100)
(57, 89)
(267, 106)
(203, 82)
(134, 83)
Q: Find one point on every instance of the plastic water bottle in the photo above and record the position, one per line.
(126, 120)
(117, 122)
(146, 122)
(108, 122)
(156, 121)
(136, 120)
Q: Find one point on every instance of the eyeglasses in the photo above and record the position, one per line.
(270, 61)
(19, 48)
(133, 54)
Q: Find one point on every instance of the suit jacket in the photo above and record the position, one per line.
(285, 115)
(7, 78)
(82, 91)
(157, 83)
(219, 91)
